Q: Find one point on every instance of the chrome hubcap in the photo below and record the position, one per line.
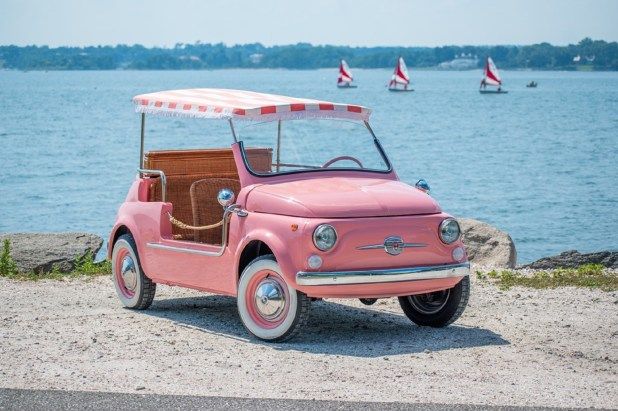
(128, 273)
(269, 299)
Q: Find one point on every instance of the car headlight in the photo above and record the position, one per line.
(449, 231)
(324, 237)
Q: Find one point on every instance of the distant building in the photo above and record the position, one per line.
(577, 59)
(256, 58)
(191, 58)
(460, 62)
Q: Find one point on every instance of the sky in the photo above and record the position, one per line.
(270, 22)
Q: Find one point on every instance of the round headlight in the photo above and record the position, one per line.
(324, 237)
(449, 231)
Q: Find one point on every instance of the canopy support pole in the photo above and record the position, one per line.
(278, 144)
(370, 129)
(141, 146)
(233, 131)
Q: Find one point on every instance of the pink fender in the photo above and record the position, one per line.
(279, 236)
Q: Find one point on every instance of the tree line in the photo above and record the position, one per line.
(588, 54)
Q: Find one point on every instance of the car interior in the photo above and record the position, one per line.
(194, 178)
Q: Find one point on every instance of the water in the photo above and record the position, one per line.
(537, 163)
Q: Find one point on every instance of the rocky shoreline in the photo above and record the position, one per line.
(487, 247)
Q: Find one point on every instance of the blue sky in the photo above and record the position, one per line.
(344, 22)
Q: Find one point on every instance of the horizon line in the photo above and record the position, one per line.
(199, 42)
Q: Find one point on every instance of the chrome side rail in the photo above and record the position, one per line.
(145, 171)
(383, 275)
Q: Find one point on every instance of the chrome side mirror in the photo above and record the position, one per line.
(226, 197)
(422, 185)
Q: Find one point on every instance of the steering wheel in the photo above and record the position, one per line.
(341, 158)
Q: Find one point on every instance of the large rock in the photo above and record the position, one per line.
(486, 245)
(573, 258)
(39, 252)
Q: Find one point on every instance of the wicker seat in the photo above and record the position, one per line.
(184, 167)
(206, 208)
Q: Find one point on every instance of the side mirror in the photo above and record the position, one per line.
(422, 185)
(226, 197)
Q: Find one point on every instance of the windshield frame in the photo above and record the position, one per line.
(388, 170)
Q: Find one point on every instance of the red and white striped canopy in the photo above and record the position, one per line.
(242, 105)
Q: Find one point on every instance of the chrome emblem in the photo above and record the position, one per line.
(393, 245)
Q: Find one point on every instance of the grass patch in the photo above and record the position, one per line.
(7, 264)
(84, 266)
(588, 276)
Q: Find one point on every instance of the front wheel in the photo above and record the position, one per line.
(269, 308)
(437, 309)
(133, 288)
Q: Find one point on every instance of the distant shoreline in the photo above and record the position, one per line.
(587, 55)
(428, 69)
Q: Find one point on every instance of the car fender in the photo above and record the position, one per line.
(282, 248)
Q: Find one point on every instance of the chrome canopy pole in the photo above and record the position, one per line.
(278, 145)
(370, 129)
(233, 131)
(141, 147)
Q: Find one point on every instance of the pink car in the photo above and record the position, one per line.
(304, 205)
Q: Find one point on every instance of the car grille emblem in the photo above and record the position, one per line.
(393, 245)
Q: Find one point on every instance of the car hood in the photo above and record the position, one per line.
(338, 197)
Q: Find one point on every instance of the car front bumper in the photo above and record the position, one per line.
(308, 278)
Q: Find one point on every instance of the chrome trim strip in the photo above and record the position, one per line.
(182, 249)
(378, 246)
(383, 275)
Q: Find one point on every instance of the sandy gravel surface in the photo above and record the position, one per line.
(520, 347)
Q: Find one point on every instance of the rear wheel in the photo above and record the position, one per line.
(437, 309)
(269, 308)
(133, 288)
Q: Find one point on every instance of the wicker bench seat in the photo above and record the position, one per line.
(182, 169)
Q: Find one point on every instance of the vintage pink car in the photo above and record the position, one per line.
(304, 205)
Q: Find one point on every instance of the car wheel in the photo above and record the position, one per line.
(133, 288)
(437, 309)
(269, 308)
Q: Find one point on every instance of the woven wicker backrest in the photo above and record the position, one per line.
(206, 208)
(219, 161)
(183, 167)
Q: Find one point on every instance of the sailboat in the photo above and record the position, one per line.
(345, 76)
(400, 79)
(491, 77)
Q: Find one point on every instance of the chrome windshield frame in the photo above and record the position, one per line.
(376, 141)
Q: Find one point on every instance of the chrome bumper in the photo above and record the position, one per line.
(382, 276)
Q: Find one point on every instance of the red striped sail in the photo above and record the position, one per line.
(400, 75)
(490, 74)
(345, 74)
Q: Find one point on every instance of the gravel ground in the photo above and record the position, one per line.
(519, 347)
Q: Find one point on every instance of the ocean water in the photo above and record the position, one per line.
(541, 164)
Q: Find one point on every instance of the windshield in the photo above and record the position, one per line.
(310, 145)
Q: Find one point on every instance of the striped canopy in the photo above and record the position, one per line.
(242, 105)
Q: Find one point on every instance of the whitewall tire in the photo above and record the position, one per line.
(133, 288)
(269, 308)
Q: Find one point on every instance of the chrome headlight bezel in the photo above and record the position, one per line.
(446, 233)
(319, 241)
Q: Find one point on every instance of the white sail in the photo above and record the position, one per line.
(491, 75)
(493, 70)
(400, 75)
(345, 74)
